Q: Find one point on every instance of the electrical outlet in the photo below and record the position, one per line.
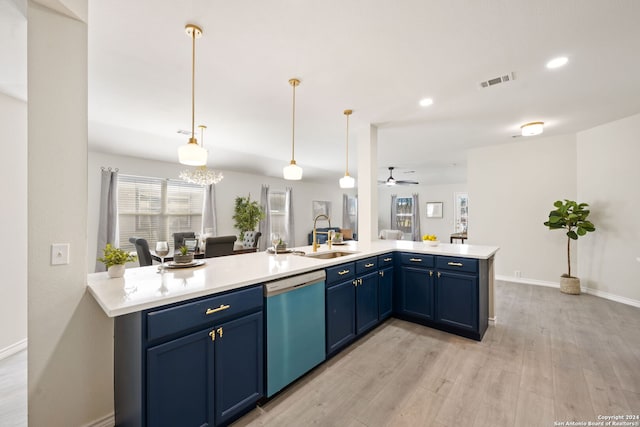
(517, 273)
(59, 253)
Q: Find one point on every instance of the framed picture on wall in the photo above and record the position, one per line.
(434, 209)
(320, 207)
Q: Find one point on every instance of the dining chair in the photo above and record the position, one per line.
(142, 248)
(251, 239)
(178, 239)
(219, 246)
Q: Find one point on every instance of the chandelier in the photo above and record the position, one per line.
(201, 175)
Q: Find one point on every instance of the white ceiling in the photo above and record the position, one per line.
(378, 58)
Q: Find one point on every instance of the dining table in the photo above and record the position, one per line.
(200, 254)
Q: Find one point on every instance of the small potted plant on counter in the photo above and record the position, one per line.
(184, 257)
(572, 217)
(115, 259)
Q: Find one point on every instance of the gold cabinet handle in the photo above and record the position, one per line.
(381, 273)
(415, 259)
(215, 310)
(369, 265)
(219, 330)
(355, 282)
(387, 259)
(430, 273)
(455, 264)
(212, 334)
(360, 282)
(438, 274)
(343, 272)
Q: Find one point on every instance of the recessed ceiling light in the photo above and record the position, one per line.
(426, 102)
(557, 62)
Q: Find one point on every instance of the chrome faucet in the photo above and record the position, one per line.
(315, 232)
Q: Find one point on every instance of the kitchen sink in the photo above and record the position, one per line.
(329, 255)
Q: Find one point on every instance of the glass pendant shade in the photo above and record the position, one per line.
(347, 181)
(292, 172)
(192, 154)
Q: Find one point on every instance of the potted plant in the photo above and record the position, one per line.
(115, 259)
(184, 257)
(572, 217)
(247, 214)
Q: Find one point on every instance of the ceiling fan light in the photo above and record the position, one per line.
(531, 129)
(390, 182)
(192, 154)
(347, 181)
(292, 172)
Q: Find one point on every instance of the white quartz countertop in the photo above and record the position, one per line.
(144, 287)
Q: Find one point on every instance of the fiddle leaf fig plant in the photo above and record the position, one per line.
(247, 214)
(115, 256)
(572, 217)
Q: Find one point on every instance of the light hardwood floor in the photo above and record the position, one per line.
(551, 357)
(13, 390)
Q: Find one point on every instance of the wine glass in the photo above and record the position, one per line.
(275, 239)
(162, 250)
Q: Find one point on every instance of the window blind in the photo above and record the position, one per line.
(155, 208)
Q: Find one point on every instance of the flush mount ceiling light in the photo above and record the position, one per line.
(191, 154)
(201, 175)
(557, 62)
(347, 180)
(533, 128)
(426, 102)
(292, 171)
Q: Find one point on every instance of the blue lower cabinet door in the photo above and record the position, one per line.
(239, 367)
(385, 293)
(367, 302)
(341, 315)
(180, 382)
(457, 300)
(417, 292)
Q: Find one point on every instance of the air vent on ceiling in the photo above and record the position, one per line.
(497, 80)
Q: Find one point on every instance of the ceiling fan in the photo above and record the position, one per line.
(392, 181)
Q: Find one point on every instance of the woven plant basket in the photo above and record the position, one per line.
(570, 285)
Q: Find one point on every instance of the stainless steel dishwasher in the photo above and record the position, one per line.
(295, 327)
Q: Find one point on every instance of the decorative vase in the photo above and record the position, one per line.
(183, 259)
(116, 271)
(569, 285)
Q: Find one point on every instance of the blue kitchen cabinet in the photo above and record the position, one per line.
(196, 363)
(366, 302)
(385, 286)
(414, 291)
(340, 300)
(457, 300)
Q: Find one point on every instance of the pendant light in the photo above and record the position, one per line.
(347, 181)
(292, 171)
(192, 154)
(201, 175)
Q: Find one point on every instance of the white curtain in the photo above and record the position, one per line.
(265, 224)
(346, 219)
(209, 217)
(108, 222)
(394, 212)
(288, 223)
(415, 232)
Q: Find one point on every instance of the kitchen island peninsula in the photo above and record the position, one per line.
(195, 346)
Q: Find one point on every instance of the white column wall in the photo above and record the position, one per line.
(367, 185)
(512, 188)
(609, 179)
(13, 223)
(70, 340)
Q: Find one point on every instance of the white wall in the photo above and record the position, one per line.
(512, 188)
(441, 227)
(13, 222)
(70, 354)
(233, 185)
(608, 179)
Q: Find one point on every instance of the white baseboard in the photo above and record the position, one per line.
(13, 349)
(106, 421)
(594, 292)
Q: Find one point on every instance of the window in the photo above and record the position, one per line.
(404, 215)
(278, 214)
(155, 208)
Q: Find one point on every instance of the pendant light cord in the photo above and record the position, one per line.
(193, 83)
(293, 125)
(347, 156)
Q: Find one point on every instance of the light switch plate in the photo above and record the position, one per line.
(59, 253)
